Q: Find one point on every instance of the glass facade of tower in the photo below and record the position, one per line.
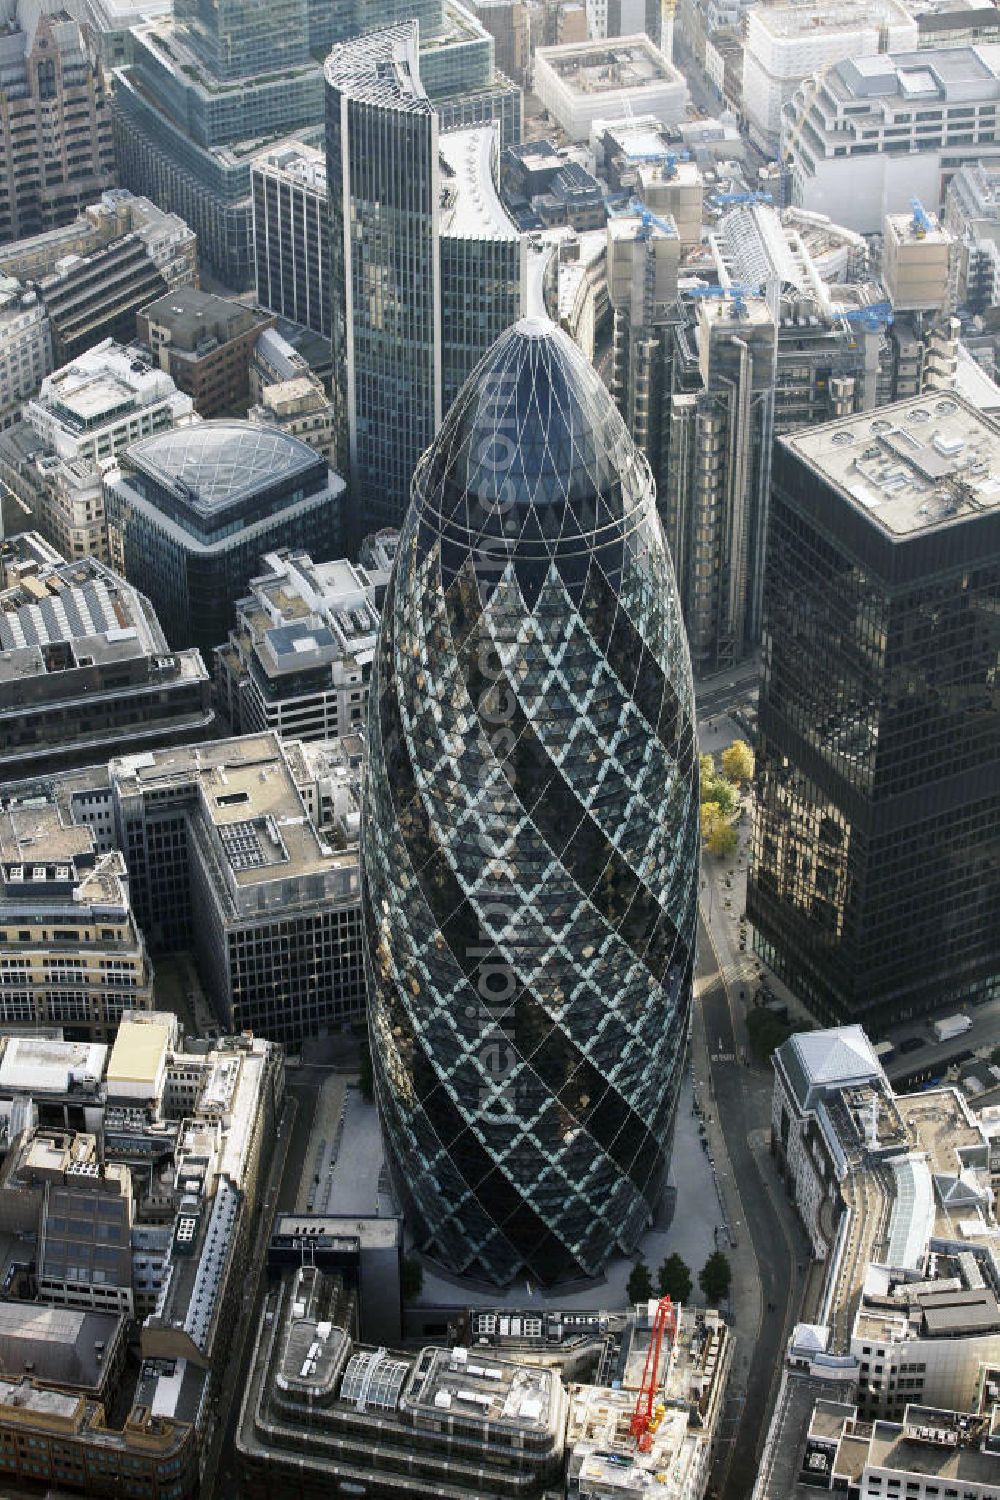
(874, 887)
(382, 180)
(530, 829)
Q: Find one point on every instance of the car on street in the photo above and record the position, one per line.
(912, 1043)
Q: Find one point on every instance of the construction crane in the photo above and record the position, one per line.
(650, 220)
(737, 292)
(873, 318)
(644, 1422)
(921, 223)
(729, 200)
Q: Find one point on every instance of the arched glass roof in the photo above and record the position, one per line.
(217, 462)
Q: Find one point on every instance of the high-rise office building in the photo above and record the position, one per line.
(874, 887)
(56, 152)
(706, 382)
(426, 267)
(291, 235)
(212, 88)
(191, 513)
(530, 831)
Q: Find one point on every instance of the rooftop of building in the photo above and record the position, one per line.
(470, 202)
(199, 321)
(302, 613)
(916, 467)
(300, 163)
(610, 67)
(808, 20)
(250, 799)
(916, 229)
(947, 73)
(820, 1061)
(57, 1346)
(71, 615)
(215, 464)
(47, 1065)
(98, 388)
(381, 68)
(139, 1054)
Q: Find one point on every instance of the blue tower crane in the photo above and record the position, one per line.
(921, 221)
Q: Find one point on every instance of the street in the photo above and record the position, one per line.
(741, 1097)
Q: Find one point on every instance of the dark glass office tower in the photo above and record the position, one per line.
(530, 829)
(875, 887)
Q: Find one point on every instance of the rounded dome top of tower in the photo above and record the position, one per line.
(533, 456)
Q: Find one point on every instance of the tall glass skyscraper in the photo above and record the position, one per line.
(530, 829)
(420, 290)
(224, 80)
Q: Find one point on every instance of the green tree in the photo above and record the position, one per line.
(708, 773)
(675, 1279)
(711, 817)
(723, 794)
(723, 840)
(640, 1283)
(737, 762)
(412, 1279)
(715, 1277)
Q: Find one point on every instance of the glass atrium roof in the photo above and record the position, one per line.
(215, 463)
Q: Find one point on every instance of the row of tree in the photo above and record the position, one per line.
(720, 796)
(674, 1279)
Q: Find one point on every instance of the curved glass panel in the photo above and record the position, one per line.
(531, 829)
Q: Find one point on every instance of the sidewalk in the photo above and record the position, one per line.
(745, 1297)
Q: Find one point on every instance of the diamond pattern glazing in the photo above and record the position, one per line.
(530, 829)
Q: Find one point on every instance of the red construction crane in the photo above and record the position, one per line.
(664, 1323)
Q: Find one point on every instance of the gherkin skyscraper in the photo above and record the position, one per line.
(530, 829)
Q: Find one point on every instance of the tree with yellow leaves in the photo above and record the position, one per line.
(737, 762)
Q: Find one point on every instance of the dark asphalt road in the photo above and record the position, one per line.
(780, 1281)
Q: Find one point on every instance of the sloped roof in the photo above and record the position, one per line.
(828, 1059)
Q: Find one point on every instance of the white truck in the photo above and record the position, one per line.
(949, 1027)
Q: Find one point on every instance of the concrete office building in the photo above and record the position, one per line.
(883, 564)
(84, 668)
(583, 82)
(135, 1174)
(602, 1458)
(224, 857)
(972, 217)
(73, 956)
(893, 1385)
(55, 122)
(301, 408)
(291, 235)
(788, 43)
(452, 271)
(91, 276)
(117, 213)
(509, 24)
(84, 415)
(299, 660)
(245, 852)
(614, 18)
(705, 384)
(25, 346)
(205, 344)
(191, 513)
(863, 138)
(323, 1411)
